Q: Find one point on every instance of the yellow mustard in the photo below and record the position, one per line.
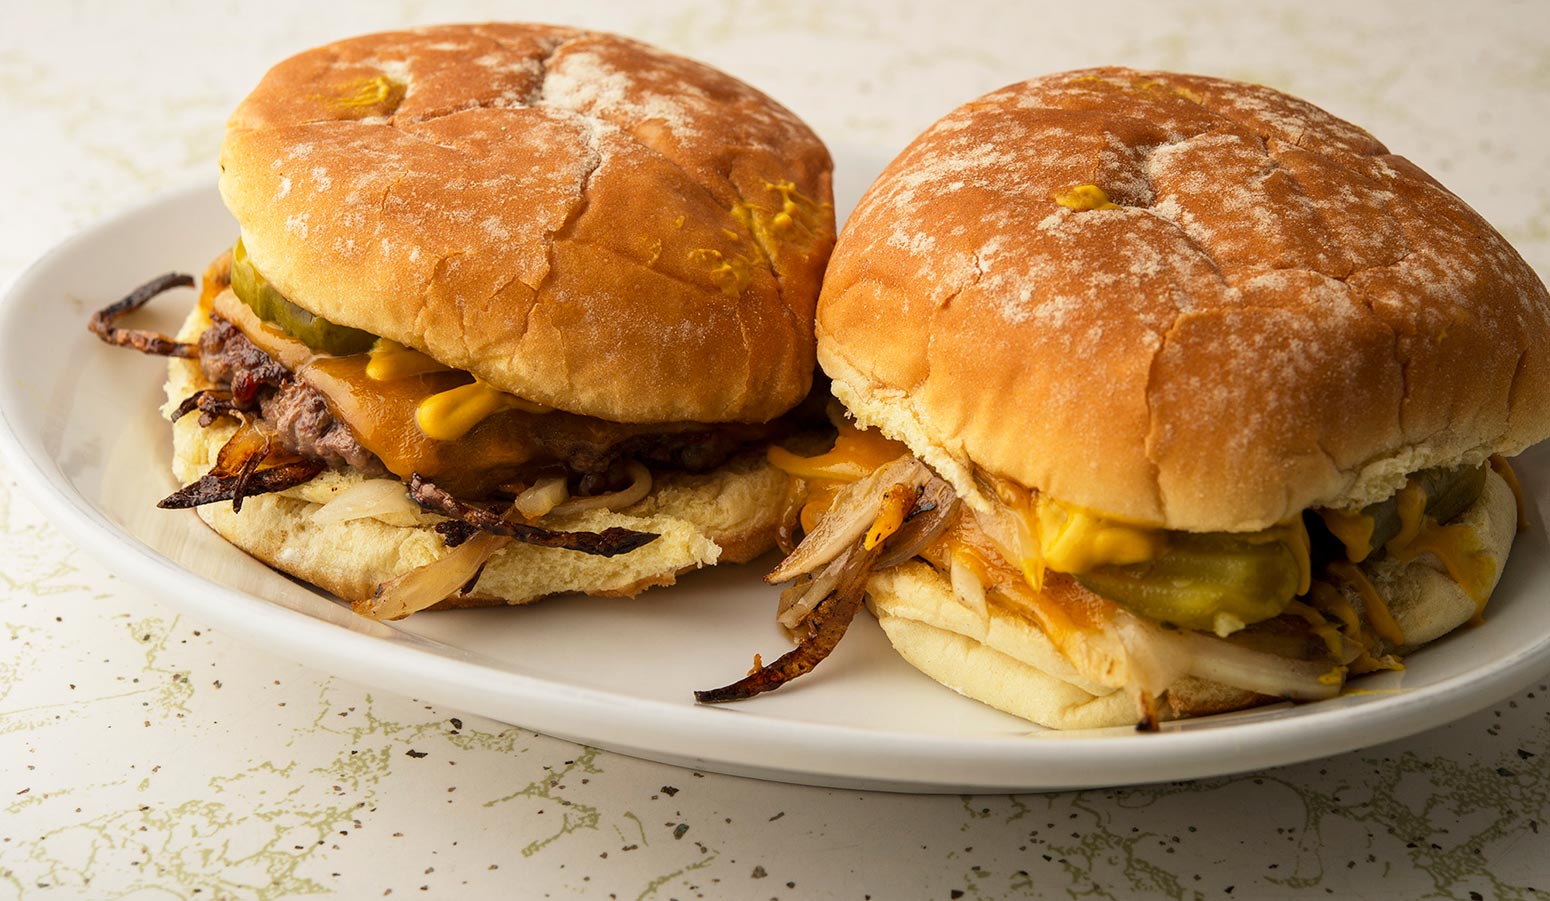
(389, 361)
(450, 414)
(1085, 197)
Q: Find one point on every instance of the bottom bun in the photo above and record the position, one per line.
(728, 515)
(1004, 660)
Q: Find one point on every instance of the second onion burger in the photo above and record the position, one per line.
(1171, 395)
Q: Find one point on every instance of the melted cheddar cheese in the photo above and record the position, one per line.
(416, 415)
(1354, 530)
(1504, 469)
(1072, 540)
(1373, 603)
(855, 455)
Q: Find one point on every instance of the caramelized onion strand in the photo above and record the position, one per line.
(608, 543)
(826, 626)
(211, 488)
(147, 342)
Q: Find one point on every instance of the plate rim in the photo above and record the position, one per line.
(744, 742)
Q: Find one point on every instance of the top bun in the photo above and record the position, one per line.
(576, 218)
(1277, 314)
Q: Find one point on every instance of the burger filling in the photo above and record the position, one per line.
(1283, 612)
(310, 394)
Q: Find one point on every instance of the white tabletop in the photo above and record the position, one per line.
(144, 755)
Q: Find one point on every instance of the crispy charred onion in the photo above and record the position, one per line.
(212, 403)
(826, 626)
(854, 510)
(212, 488)
(239, 471)
(101, 323)
(607, 543)
(901, 503)
(427, 585)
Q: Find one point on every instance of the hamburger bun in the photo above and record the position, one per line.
(602, 234)
(568, 215)
(1146, 304)
(1275, 314)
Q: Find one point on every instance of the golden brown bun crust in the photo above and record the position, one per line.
(546, 208)
(729, 515)
(1281, 314)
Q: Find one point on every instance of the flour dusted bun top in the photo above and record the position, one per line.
(1180, 300)
(574, 217)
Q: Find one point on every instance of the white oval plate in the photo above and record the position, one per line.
(79, 429)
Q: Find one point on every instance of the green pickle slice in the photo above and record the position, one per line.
(1449, 492)
(271, 306)
(1203, 576)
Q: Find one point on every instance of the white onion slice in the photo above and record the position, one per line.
(425, 585)
(542, 497)
(373, 497)
(854, 509)
(968, 588)
(799, 600)
(1010, 534)
(640, 486)
(1268, 674)
(1154, 658)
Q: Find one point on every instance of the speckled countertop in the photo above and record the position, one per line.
(143, 755)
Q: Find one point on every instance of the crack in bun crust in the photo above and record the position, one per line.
(546, 208)
(1278, 313)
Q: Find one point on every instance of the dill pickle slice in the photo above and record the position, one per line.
(271, 306)
(1449, 492)
(1202, 577)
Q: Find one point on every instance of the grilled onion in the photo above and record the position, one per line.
(1220, 660)
(934, 512)
(968, 588)
(826, 626)
(373, 497)
(427, 585)
(543, 496)
(854, 510)
(639, 487)
(797, 601)
(609, 542)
